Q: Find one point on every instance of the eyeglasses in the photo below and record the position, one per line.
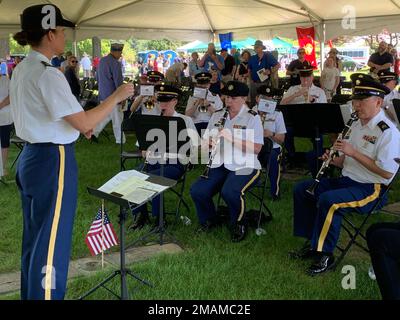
(74, 61)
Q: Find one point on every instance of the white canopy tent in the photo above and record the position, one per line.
(204, 19)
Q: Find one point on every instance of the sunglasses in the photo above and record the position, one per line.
(74, 61)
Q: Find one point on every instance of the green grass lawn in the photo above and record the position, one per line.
(211, 267)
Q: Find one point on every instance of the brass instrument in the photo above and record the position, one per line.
(220, 125)
(332, 153)
(202, 108)
(149, 104)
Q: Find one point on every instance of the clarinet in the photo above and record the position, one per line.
(221, 125)
(332, 153)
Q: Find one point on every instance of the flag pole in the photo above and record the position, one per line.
(102, 234)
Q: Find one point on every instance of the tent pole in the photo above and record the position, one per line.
(322, 44)
(74, 45)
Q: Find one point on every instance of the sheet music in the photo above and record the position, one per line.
(347, 110)
(261, 75)
(132, 186)
(146, 91)
(267, 106)
(199, 93)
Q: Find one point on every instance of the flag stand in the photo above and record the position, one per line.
(125, 207)
(123, 271)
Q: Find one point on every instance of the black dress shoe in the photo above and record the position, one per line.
(238, 232)
(321, 265)
(141, 220)
(305, 252)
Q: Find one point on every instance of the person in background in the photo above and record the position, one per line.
(330, 78)
(65, 63)
(236, 55)
(216, 85)
(261, 62)
(86, 66)
(296, 65)
(3, 68)
(95, 65)
(194, 65)
(70, 75)
(242, 71)
(212, 60)
(229, 66)
(381, 60)
(174, 73)
(110, 78)
(5, 120)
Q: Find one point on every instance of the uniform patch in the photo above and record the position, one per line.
(383, 126)
(370, 139)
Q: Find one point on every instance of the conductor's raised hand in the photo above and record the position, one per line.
(124, 91)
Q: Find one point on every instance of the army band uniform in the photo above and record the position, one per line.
(201, 110)
(275, 124)
(318, 218)
(149, 104)
(233, 170)
(49, 118)
(174, 168)
(390, 80)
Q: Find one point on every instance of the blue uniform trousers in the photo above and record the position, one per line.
(318, 218)
(171, 171)
(232, 185)
(384, 245)
(47, 177)
(274, 172)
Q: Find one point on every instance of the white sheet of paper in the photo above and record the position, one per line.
(346, 110)
(267, 106)
(199, 93)
(215, 100)
(132, 185)
(147, 91)
(261, 75)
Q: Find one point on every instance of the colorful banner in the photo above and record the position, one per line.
(306, 37)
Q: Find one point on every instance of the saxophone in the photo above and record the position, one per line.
(345, 134)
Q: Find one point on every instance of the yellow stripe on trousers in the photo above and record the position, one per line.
(242, 194)
(334, 207)
(54, 228)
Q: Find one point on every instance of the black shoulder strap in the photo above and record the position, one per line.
(252, 112)
(383, 126)
(47, 64)
(219, 110)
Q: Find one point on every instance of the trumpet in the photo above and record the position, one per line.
(332, 153)
(202, 108)
(220, 125)
(149, 104)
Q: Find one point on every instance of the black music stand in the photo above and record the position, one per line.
(124, 205)
(167, 126)
(310, 120)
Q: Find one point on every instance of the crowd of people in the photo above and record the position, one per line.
(231, 116)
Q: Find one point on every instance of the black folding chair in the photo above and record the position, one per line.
(19, 143)
(260, 189)
(355, 231)
(127, 128)
(341, 98)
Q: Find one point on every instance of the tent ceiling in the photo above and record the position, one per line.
(198, 19)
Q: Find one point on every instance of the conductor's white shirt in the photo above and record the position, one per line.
(40, 98)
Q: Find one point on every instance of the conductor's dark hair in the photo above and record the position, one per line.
(30, 37)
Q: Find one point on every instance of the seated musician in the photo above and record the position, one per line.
(167, 96)
(275, 130)
(367, 164)
(148, 104)
(200, 109)
(390, 80)
(235, 136)
(306, 92)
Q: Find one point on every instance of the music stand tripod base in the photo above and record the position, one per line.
(123, 271)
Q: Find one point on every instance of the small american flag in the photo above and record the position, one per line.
(96, 240)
